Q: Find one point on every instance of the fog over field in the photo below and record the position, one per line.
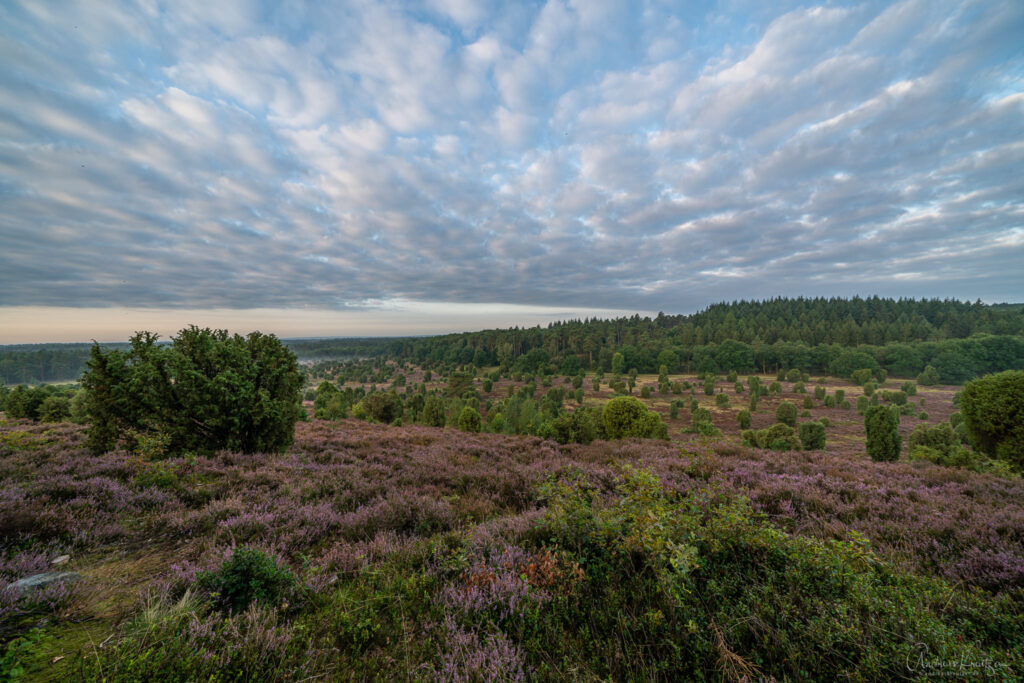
(351, 163)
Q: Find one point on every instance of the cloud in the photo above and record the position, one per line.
(580, 154)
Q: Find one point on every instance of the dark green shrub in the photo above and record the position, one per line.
(207, 390)
(488, 385)
(845, 405)
(825, 421)
(940, 438)
(731, 377)
(928, 378)
(819, 392)
(248, 576)
(743, 419)
(799, 388)
(898, 398)
(793, 375)
(709, 386)
(786, 413)
(909, 388)
(673, 410)
(700, 423)
(626, 416)
(881, 426)
(55, 409)
(993, 414)
(862, 404)
(433, 412)
(812, 436)
(869, 389)
(840, 395)
(861, 376)
(721, 400)
(752, 403)
(922, 415)
(778, 437)
(469, 420)
(774, 388)
(738, 387)
(808, 402)
(955, 419)
(830, 401)
(575, 427)
(383, 406)
(645, 392)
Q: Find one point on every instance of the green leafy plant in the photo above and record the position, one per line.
(248, 576)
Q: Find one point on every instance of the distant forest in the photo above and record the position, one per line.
(959, 339)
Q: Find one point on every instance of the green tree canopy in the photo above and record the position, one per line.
(993, 412)
(205, 391)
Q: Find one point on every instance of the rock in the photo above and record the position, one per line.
(43, 580)
(63, 559)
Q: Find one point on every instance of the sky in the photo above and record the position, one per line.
(358, 168)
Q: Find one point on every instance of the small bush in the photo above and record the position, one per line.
(840, 395)
(812, 436)
(830, 401)
(861, 376)
(799, 388)
(645, 392)
(808, 402)
(774, 388)
(469, 420)
(249, 576)
(881, 425)
(743, 419)
(993, 411)
(778, 437)
(928, 378)
(786, 413)
(819, 392)
(862, 404)
(722, 400)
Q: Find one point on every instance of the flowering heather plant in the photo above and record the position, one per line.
(414, 526)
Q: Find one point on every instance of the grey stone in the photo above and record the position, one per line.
(63, 559)
(43, 580)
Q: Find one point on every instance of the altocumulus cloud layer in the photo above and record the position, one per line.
(576, 153)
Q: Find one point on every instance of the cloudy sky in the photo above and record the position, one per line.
(386, 167)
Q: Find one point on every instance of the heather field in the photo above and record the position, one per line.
(418, 553)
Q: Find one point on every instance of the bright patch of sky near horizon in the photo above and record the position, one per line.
(334, 160)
